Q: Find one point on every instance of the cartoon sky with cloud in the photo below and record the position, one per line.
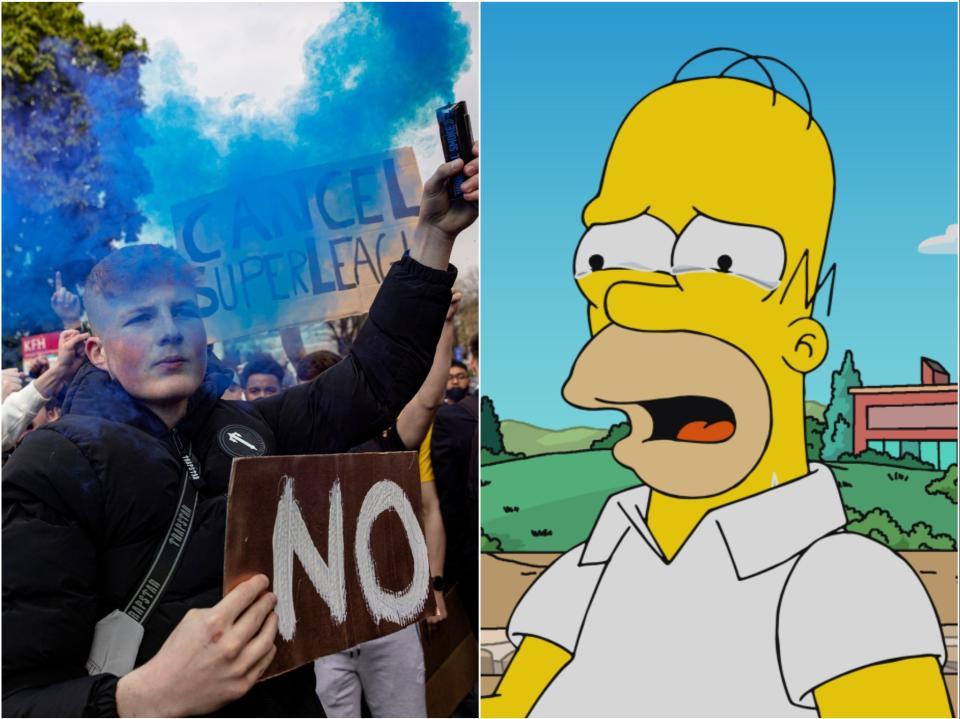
(556, 86)
(945, 244)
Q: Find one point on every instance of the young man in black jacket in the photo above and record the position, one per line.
(88, 499)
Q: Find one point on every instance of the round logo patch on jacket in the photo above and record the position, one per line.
(239, 441)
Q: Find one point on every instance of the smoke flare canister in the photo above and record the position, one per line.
(457, 138)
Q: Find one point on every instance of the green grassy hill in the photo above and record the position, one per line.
(557, 493)
(814, 409)
(558, 497)
(532, 440)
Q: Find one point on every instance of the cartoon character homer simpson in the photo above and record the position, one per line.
(725, 585)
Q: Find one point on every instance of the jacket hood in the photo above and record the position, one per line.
(93, 392)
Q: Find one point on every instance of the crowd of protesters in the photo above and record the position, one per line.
(92, 449)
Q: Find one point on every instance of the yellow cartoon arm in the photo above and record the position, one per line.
(904, 688)
(534, 665)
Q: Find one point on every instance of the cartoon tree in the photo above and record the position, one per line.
(491, 438)
(814, 430)
(838, 436)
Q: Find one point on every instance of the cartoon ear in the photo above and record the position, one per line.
(808, 345)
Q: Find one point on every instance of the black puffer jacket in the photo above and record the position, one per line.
(87, 501)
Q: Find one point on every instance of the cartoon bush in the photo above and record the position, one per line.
(872, 456)
(945, 485)
(489, 544)
(616, 433)
(879, 525)
(487, 457)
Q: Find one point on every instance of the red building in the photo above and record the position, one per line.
(917, 419)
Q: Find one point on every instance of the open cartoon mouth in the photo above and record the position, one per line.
(689, 418)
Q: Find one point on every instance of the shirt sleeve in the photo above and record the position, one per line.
(426, 465)
(19, 409)
(850, 602)
(555, 606)
(363, 393)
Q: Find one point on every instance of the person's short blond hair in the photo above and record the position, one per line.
(131, 268)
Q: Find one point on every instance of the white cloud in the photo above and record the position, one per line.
(945, 244)
(253, 50)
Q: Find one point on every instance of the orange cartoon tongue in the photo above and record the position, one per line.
(700, 431)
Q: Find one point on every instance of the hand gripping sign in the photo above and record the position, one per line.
(340, 537)
(309, 245)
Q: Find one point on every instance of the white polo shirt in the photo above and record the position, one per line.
(766, 600)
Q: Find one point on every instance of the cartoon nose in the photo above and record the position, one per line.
(596, 285)
(629, 303)
(657, 278)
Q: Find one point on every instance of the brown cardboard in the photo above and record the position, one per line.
(450, 658)
(257, 486)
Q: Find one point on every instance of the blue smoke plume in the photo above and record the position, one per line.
(372, 72)
(71, 177)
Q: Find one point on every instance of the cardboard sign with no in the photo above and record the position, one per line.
(340, 537)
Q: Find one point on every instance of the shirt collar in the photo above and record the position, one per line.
(622, 511)
(759, 531)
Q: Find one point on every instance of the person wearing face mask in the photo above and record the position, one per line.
(458, 384)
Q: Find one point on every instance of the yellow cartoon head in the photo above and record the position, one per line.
(699, 263)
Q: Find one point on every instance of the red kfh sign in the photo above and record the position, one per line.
(40, 345)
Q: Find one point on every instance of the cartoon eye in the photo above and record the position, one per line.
(642, 243)
(753, 253)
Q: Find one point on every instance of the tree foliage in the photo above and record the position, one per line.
(838, 436)
(945, 485)
(872, 456)
(879, 525)
(491, 436)
(813, 430)
(71, 177)
(466, 322)
(617, 432)
(26, 24)
(489, 543)
(487, 457)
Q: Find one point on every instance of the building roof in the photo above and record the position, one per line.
(952, 388)
(934, 365)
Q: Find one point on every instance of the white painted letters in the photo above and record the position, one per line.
(397, 607)
(290, 536)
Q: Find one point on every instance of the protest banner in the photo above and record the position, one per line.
(45, 345)
(340, 538)
(306, 246)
